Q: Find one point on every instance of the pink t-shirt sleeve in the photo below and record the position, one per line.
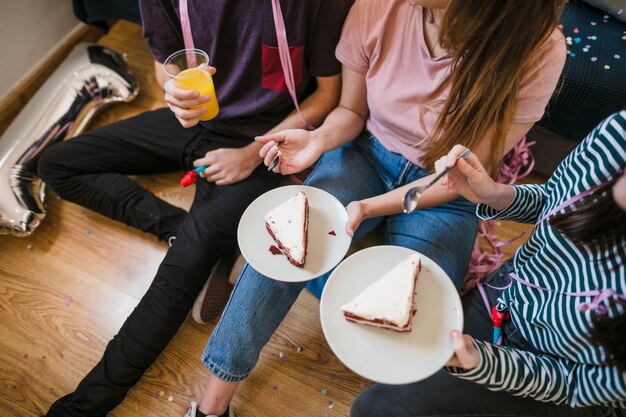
(351, 49)
(539, 85)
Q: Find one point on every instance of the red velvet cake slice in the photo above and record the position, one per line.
(389, 302)
(288, 224)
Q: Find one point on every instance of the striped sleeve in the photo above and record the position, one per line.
(528, 202)
(545, 378)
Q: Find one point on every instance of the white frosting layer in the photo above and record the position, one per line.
(287, 223)
(391, 297)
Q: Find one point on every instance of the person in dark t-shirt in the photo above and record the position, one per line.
(91, 170)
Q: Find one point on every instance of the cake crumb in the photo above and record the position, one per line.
(275, 250)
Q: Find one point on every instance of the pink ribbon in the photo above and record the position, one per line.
(285, 59)
(283, 50)
(187, 36)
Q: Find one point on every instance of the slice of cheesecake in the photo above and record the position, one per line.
(288, 224)
(389, 302)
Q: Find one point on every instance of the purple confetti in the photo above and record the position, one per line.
(9, 408)
(332, 376)
(594, 58)
(593, 23)
(362, 385)
(330, 404)
(68, 301)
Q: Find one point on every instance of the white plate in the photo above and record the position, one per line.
(384, 355)
(324, 251)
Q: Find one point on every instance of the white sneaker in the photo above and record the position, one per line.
(194, 407)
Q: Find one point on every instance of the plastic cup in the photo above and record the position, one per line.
(188, 69)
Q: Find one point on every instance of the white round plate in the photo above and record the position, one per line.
(324, 250)
(384, 355)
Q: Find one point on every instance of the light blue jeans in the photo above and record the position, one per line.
(358, 170)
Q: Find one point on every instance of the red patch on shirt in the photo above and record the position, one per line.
(272, 77)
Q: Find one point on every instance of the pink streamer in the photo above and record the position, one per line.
(518, 163)
(285, 59)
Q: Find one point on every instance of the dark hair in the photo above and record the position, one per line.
(609, 332)
(594, 220)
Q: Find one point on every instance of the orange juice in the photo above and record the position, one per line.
(196, 79)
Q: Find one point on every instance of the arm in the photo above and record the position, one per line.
(545, 378)
(391, 202)
(299, 149)
(227, 166)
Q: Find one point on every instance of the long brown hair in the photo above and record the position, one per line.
(492, 44)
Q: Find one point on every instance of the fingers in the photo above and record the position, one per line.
(464, 350)
(186, 103)
(454, 154)
(355, 217)
(266, 148)
(212, 70)
(188, 117)
(276, 137)
(178, 93)
(270, 155)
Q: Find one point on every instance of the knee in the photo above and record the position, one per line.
(371, 402)
(50, 166)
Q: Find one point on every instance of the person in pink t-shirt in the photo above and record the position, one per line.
(418, 77)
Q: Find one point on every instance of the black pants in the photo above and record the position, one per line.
(445, 395)
(90, 170)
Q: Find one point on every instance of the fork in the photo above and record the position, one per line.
(275, 162)
(410, 199)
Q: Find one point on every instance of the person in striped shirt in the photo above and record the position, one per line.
(563, 351)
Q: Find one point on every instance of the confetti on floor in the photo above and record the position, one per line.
(25, 356)
(282, 356)
(161, 394)
(68, 300)
(332, 376)
(324, 391)
(299, 350)
(89, 232)
(616, 56)
(29, 247)
(274, 387)
(170, 398)
(594, 59)
(330, 404)
(9, 408)
(156, 394)
(606, 67)
(362, 385)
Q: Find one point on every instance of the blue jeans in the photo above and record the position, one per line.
(358, 170)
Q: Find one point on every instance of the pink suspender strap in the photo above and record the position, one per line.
(285, 59)
(283, 50)
(599, 296)
(569, 202)
(186, 27)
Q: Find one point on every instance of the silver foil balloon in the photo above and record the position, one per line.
(91, 78)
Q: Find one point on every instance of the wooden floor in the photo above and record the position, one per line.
(66, 290)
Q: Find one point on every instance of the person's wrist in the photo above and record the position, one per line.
(318, 141)
(501, 198)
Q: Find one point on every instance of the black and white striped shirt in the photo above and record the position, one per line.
(570, 370)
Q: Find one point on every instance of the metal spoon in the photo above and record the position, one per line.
(410, 199)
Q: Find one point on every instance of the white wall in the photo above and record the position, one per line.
(29, 29)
